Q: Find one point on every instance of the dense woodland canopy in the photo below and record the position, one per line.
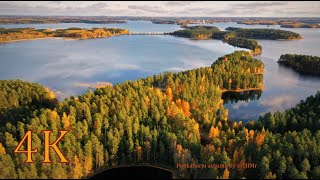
(238, 37)
(245, 43)
(197, 32)
(302, 63)
(163, 119)
(300, 25)
(272, 34)
(11, 34)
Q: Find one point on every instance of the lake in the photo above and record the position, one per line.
(68, 66)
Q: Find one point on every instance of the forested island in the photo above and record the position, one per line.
(300, 25)
(197, 32)
(238, 37)
(271, 34)
(283, 23)
(301, 63)
(14, 34)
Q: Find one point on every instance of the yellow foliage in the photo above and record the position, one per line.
(179, 148)
(2, 150)
(159, 93)
(226, 174)
(77, 168)
(260, 138)
(214, 132)
(169, 93)
(235, 156)
(147, 101)
(88, 164)
(197, 131)
(186, 108)
(65, 121)
(139, 153)
(53, 115)
(251, 135)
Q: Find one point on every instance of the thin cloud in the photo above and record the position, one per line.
(147, 8)
(56, 2)
(179, 3)
(261, 4)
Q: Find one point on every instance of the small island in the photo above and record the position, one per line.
(283, 23)
(270, 34)
(300, 25)
(197, 32)
(301, 63)
(17, 34)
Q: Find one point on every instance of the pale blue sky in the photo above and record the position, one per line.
(164, 8)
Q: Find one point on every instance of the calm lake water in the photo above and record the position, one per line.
(64, 65)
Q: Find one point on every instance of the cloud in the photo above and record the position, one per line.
(261, 4)
(179, 3)
(147, 8)
(99, 5)
(56, 2)
(207, 11)
(239, 104)
(279, 103)
(175, 69)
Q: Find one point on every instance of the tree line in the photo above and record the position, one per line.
(11, 34)
(301, 63)
(234, 36)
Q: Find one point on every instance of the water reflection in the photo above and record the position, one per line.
(235, 97)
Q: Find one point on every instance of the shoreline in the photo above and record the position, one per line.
(241, 90)
(17, 40)
(63, 38)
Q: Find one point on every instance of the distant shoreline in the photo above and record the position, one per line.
(17, 40)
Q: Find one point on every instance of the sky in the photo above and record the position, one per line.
(164, 8)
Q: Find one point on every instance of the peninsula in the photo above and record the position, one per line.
(14, 34)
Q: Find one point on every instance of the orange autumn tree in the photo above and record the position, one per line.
(260, 138)
(77, 168)
(225, 174)
(184, 106)
(169, 93)
(214, 132)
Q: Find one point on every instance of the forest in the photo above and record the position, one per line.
(272, 34)
(12, 34)
(239, 37)
(164, 119)
(300, 25)
(301, 63)
(251, 44)
(197, 32)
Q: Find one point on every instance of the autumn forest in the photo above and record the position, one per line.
(163, 119)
